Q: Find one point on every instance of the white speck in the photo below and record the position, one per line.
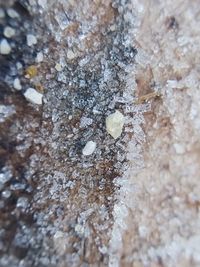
(89, 148)
(42, 3)
(6, 111)
(31, 39)
(79, 229)
(9, 32)
(19, 65)
(143, 231)
(5, 177)
(114, 124)
(179, 148)
(6, 194)
(12, 13)
(17, 84)
(70, 54)
(33, 96)
(58, 67)
(112, 28)
(22, 202)
(2, 13)
(5, 48)
(39, 57)
(85, 122)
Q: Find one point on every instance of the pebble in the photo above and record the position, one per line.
(5, 48)
(58, 67)
(2, 13)
(31, 39)
(114, 124)
(70, 54)
(22, 202)
(8, 32)
(89, 148)
(33, 96)
(4, 178)
(112, 28)
(6, 194)
(39, 57)
(12, 13)
(17, 84)
(19, 65)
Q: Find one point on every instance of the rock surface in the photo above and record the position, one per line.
(135, 200)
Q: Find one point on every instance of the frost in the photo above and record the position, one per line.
(62, 19)
(5, 176)
(6, 111)
(138, 108)
(85, 122)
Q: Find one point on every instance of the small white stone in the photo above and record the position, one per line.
(33, 96)
(17, 84)
(31, 39)
(9, 32)
(6, 194)
(113, 28)
(5, 48)
(179, 148)
(114, 124)
(2, 13)
(58, 67)
(22, 203)
(19, 65)
(89, 148)
(12, 13)
(70, 54)
(39, 57)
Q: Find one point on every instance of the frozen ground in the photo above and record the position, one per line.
(133, 201)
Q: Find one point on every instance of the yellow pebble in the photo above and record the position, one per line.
(31, 71)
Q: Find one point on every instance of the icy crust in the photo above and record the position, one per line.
(85, 73)
(80, 189)
(157, 214)
(88, 59)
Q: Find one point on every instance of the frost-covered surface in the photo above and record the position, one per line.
(130, 201)
(160, 203)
